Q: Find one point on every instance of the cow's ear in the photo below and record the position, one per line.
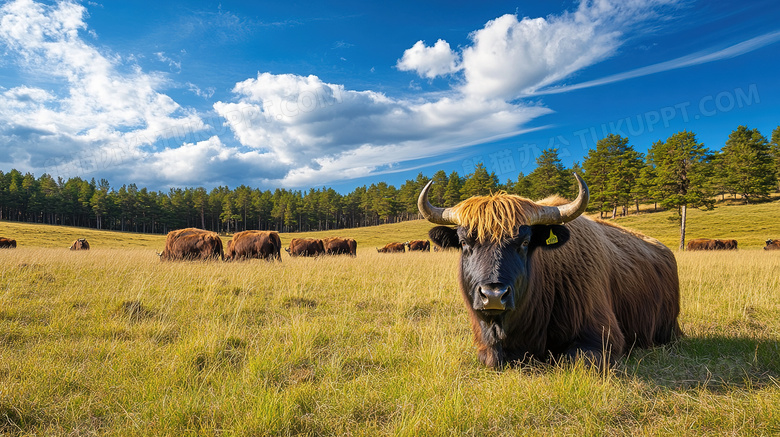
(444, 234)
(549, 236)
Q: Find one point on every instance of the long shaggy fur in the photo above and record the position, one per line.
(254, 244)
(606, 282)
(191, 244)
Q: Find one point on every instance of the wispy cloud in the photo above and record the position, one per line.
(698, 58)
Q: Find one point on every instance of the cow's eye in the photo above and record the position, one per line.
(523, 246)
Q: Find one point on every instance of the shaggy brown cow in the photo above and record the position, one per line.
(392, 248)
(192, 244)
(340, 246)
(80, 244)
(709, 244)
(443, 238)
(254, 244)
(772, 245)
(418, 245)
(536, 289)
(305, 247)
(7, 243)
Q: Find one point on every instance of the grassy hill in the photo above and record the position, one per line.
(750, 225)
(113, 342)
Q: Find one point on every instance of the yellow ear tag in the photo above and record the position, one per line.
(553, 238)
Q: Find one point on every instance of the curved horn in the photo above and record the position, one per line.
(550, 215)
(440, 216)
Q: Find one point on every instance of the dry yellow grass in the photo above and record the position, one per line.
(113, 342)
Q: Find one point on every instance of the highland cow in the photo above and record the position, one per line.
(542, 282)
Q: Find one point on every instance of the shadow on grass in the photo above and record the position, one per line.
(715, 363)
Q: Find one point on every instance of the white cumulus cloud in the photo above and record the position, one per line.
(429, 62)
(94, 100)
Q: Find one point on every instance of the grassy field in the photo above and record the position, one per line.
(113, 342)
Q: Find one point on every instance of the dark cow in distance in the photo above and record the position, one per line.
(392, 248)
(305, 247)
(340, 246)
(80, 244)
(772, 244)
(7, 243)
(443, 238)
(418, 245)
(710, 244)
(192, 244)
(542, 282)
(254, 244)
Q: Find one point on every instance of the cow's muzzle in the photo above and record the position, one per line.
(494, 297)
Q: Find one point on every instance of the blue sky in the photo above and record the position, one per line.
(308, 94)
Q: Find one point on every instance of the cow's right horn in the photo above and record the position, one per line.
(550, 215)
(440, 216)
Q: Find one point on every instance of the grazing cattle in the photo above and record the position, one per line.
(542, 282)
(392, 248)
(418, 245)
(305, 247)
(443, 238)
(340, 246)
(772, 245)
(727, 244)
(709, 244)
(80, 244)
(7, 243)
(254, 244)
(192, 244)
(700, 244)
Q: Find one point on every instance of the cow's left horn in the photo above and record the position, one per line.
(550, 215)
(440, 216)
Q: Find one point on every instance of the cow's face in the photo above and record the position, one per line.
(494, 276)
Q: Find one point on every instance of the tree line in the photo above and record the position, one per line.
(676, 173)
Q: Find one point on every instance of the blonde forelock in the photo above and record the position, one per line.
(495, 217)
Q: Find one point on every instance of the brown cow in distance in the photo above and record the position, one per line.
(710, 244)
(305, 247)
(392, 248)
(772, 244)
(80, 244)
(727, 244)
(254, 244)
(7, 243)
(192, 244)
(542, 282)
(340, 246)
(418, 245)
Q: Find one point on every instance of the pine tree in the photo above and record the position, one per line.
(439, 187)
(613, 172)
(682, 175)
(748, 164)
(452, 194)
(775, 150)
(479, 183)
(549, 177)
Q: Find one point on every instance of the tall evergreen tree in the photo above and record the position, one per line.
(613, 170)
(748, 164)
(681, 175)
(479, 183)
(775, 149)
(550, 176)
(452, 194)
